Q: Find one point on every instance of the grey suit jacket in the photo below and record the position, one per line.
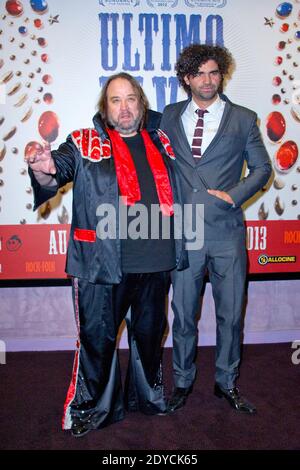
(220, 167)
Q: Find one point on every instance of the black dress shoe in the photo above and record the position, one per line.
(232, 395)
(178, 398)
(79, 429)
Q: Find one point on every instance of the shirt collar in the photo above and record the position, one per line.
(214, 108)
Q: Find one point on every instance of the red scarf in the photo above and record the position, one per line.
(127, 177)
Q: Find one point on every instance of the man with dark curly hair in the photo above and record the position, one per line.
(212, 139)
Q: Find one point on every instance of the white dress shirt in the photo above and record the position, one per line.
(211, 121)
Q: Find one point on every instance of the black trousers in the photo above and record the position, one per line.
(95, 395)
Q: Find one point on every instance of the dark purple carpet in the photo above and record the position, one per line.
(33, 387)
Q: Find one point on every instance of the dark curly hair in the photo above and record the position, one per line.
(195, 55)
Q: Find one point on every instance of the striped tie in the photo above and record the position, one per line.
(197, 140)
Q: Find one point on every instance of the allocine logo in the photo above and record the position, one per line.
(265, 259)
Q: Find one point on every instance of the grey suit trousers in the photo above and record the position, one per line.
(226, 263)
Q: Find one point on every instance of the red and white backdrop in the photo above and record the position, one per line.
(55, 55)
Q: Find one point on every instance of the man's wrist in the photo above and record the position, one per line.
(44, 179)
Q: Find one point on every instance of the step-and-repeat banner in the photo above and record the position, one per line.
(55, 56)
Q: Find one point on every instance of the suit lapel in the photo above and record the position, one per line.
(180, 134)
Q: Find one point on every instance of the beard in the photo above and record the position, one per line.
(126, 128)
